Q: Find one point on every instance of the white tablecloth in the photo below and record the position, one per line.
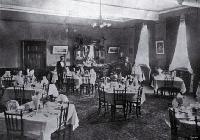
(9, 94)
(40, 125)
(131, 94)
(159, 82)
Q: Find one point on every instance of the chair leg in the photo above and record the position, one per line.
(130, 107)
(112, 112)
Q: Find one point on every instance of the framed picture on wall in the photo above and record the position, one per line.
(113, 50)
(60, 49)
(160, 47)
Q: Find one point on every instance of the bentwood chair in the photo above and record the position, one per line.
(136, 103)
(7, 82)
(167, 87)
(102, 100)
(176, 131)
(196, 135)
(46, 88)
(86, 87)
(120, 103)
(14, 126)
(20, 94)
(70, 84)
(64, 129)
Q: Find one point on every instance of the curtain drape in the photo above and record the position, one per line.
(172, 25)
(180, 58)
(137, 29)
(192, 28)
(142, 56)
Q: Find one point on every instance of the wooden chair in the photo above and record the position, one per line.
(14, 126)
(7, 82)
(63, 126)
(46, 88)
(176, 132)
(19, 94)
(102, 100)
(168, 87)
(136, 103)
(1, 92)
(196, 135)
(70, 84)
(120, 102)
(86, 87)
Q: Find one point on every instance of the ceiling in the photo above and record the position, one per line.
(112, 10)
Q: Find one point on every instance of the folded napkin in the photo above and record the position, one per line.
(12, 105)
(62, 98)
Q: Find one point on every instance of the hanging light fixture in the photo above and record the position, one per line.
(101, 24)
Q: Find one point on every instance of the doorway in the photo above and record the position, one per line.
(34, 54)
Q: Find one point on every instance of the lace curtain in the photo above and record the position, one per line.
(142, 56)
(180, 58)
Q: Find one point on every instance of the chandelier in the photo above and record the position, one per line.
(100, 23)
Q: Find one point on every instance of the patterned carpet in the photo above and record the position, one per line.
(149, 126)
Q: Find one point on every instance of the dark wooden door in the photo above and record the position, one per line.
(34, 54)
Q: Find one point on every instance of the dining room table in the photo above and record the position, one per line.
(159, 81)
(29, 91)
(185, 116)
(131, 92)
(41, 123)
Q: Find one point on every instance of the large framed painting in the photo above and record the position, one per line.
(60, 49)
(113, 50)
(160, 49)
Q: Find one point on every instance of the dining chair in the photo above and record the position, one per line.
(14, 125)
(136, 102)
(2, 89)
(8, 82)
(176, 131)
(20, 94)
(119, 103)
(168, 87)
(86, 87)
(46, 88)
(63, 127)
(70, 84)
(196, 135)
(102, 100)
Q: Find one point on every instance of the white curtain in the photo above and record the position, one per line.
(181, 59)
(91, 52)
(142, 56)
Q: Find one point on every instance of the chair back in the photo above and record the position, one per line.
(63, 116)
(85, 80)
(139, 94)
(62, 123)
(19, 94)
(168, 82)
(46, 88)
(101, 93)
(7, 82)
(14, 123)
(172, 119)
(69, 80)
(197, 128)
(120, 96)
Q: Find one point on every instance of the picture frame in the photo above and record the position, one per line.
(113, 50)
(160, 48)
(60, 49)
